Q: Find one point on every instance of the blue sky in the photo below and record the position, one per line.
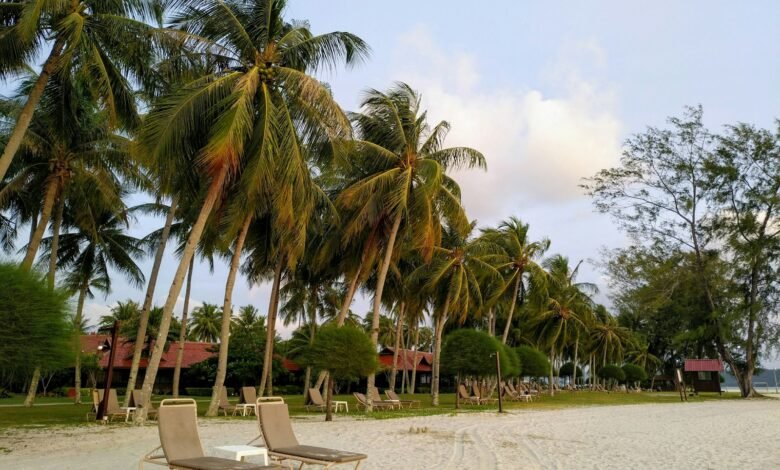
(548, 91)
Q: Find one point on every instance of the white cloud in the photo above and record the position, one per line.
(537, 147)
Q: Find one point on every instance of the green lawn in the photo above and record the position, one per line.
(61, 411)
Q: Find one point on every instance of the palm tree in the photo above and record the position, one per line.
(399, 174)
(515, 258)
(249, 318)
(608, 339)
(107, 45)
(250, 109)
(205, 323)
(459, 280)
(99, 244)
(123, 312)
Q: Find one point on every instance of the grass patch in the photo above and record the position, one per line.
(62, 411)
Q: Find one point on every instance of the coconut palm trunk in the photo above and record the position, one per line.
(227, 316)
(512, 308)
(173, 294)
(576, 350)
(437, 351)
(398, 332)
(49, 199)
(77, 321)
(273, 305)
(414, 359)
(55, 241)
(25, 117)
(182, 334)
(380, 285)
(552, 371)
(143, 321)
(350, 295)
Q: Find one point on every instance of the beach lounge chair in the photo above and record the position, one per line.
(180, 443)
(514, 396)
(137, 399)
(475, 391)
(113, 410)
(377, 398)
(224, 403)
(464, 395)
(408, 403)
(247, 400)
(280, 440)
(362, 402)
(316, 401)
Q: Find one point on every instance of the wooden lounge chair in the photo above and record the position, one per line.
(377, 398)
(137, 400)
(464, 395)
(514, 396)
(224, 403)
(316, 401)
(475, 391)
(113, 410)
(280, 440)
(362, 402)
(180, 442)
(408, 403)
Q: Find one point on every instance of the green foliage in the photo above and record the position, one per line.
(469, 352)
(634, 373)
(36, 328)
(510, 361)
(612, 372)
(198, 391)
(534, 362)
(346, 352)
(567, 370)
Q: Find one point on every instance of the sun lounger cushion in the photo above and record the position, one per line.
(215, 463)
(320, 453)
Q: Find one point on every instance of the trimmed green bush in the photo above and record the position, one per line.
(198, 391)
(36, 328)
(634, 373)
(510, 362)
(346, 353)
(567, 370)
(612, 372)
(469, 352)
(534, 362)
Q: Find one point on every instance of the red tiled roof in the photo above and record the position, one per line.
(703, 365)
(289, 364)
(193, 352)
(406, 358)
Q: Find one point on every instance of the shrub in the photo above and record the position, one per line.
(612, 372)
(36, 328)
(510, 362)
(346, 353)
(469, 352)
(534, 362)
(198, 391)
(567, 370)
(634, 373)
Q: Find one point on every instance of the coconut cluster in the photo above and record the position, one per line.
(267, 72)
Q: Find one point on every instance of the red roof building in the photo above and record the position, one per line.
(193, 352)
(406, 359)
(703, 365)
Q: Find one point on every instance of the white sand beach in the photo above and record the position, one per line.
(710, 435)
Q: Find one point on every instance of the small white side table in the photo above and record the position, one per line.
(337, 405)
(239, 452)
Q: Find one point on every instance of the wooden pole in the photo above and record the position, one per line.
(109, 375)
(498, 373)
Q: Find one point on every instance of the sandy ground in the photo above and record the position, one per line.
(710, 435)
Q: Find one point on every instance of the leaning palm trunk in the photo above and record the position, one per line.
(77, 321)
(576, 347)
(32, 390)
(437, 352)
(182, 334)
(35, 241)
(380, 285)
(178, 279)
(270, 333)
(350, 295)
(398, 332)
(552, 371)
(25, 117)
(512, 308)
(227, 316)
(143, 321)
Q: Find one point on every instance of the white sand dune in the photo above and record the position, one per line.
(710, 435)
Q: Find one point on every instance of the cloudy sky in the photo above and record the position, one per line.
(547, 91)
